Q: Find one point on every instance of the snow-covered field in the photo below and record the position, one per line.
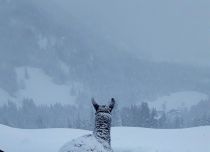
(124, 139)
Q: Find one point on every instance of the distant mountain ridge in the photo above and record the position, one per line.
(70, 53)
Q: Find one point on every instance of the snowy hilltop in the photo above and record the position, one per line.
(100, 140)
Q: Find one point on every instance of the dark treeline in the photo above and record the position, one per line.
(30, 115)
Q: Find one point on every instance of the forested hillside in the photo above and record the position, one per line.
(71, 53)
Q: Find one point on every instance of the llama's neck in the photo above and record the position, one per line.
(103, 127)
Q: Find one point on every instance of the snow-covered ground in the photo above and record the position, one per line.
(124, 139)
(178, 100)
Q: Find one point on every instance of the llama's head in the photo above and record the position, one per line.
(106, 109)
(103, 120)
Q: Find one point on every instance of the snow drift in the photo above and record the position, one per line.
(124, 139)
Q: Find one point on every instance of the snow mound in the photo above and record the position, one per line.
(87, 143)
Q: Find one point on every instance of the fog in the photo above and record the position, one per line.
(176, 31)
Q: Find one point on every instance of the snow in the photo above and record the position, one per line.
(35, 84)
(40, 87)
(124, 139)
(178, 100)
(86, 143)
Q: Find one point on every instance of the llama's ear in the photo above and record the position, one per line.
(111, 105)
(95, 105)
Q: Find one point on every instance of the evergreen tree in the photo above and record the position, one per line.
(178, 122)
(153, 122)
(126, 116)
(116, 117)
(145, 115)
(162, 121)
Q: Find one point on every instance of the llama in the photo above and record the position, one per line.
(100, 139)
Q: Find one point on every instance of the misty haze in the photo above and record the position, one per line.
(74, 67)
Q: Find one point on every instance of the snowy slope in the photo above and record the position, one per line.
(124, 139)
(40, 87)
(35, 84)
(178, 100)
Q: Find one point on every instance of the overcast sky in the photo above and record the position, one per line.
(163, 30)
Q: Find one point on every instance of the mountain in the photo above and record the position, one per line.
(40, 43)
